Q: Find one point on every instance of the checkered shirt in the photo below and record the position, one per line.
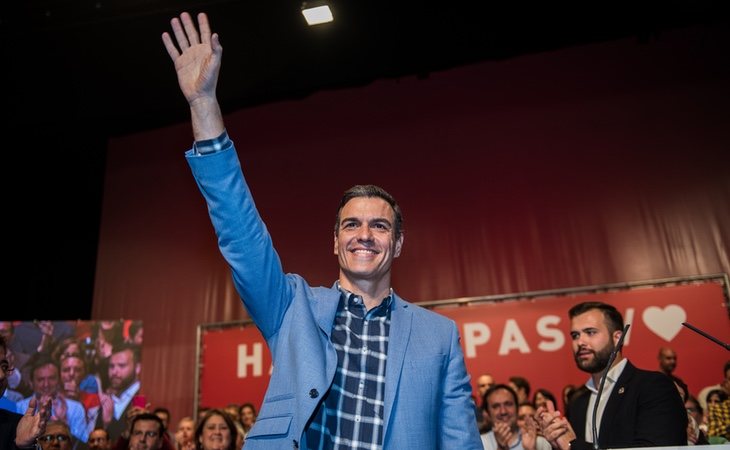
(350, 415)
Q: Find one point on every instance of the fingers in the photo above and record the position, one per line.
(204, 28)
(31, 406)
(179, 32)
(170, 46)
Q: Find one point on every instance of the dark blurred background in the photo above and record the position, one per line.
(75, 73)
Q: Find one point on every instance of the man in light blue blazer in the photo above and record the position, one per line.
(355, 366)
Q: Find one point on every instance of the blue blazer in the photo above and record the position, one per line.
(428, 401)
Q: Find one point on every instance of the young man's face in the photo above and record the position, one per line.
(365, 241)
(72, 370)
(592, 342)
(122, 370)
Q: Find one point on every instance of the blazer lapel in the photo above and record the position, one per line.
(400, 332)
(614, 401)
(326, 309)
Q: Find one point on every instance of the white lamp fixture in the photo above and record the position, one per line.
(316, 13)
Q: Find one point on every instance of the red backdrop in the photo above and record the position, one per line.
(529, 338)
(590, 165)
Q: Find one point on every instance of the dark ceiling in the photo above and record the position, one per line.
(78, 71)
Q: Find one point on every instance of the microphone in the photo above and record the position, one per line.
(703, 334)
(611, 359)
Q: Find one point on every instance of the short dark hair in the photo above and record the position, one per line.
(521, 383)
(548, 396)
(121, 346)
(370, 190)
(3, 344)
(106, 433)
(150, 417)
(162, 410)
(41, 360)
(496, 387)
(611, 317)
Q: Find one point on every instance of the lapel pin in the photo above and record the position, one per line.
(621, 390)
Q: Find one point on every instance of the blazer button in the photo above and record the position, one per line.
(314, 393)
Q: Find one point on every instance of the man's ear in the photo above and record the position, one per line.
(617, 336)
(398, 246)
(335, 247)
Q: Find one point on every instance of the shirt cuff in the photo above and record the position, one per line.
(215, 145)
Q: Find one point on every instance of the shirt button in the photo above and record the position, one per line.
(357, 418)
(364, 350)
(314, 393)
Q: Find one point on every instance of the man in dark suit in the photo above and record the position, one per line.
(638, 408)
(16, 431)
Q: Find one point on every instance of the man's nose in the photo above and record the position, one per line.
(365, 233)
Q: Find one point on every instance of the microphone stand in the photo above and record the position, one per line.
(611, 359)
(712, 338)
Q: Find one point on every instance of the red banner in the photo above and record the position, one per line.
(529, 338)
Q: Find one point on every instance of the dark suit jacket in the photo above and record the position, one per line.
(644, 410)
(8, 425)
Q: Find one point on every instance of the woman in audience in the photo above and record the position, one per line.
(216, 431)
(248, 417)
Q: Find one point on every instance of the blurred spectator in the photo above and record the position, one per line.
(522, 387)
(46, 386)
(16, 430)
(99, 440)
(216, 431)
(667, 360)
(248, 417)
(124, 371)
(723, 385)
(56, 437)
(542, 396)
(184, 434)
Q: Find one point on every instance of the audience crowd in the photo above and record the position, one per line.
(91, 379)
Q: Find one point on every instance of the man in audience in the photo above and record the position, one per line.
(19, 432)
(500, 403)
(124, 370)
(146, 432)
(99, 440)
(637, 408)
(521, 387)
(56, 437)
(667, 360)
(45, 379)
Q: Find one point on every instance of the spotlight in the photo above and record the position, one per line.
(316, 12)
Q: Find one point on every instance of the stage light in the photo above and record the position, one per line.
(316, 12)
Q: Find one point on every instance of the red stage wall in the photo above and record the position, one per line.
(529, 338)
(596, 164)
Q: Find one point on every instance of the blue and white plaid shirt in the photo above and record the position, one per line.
(351, 413)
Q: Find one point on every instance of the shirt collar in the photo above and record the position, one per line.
(351, 301)
(612, 376)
